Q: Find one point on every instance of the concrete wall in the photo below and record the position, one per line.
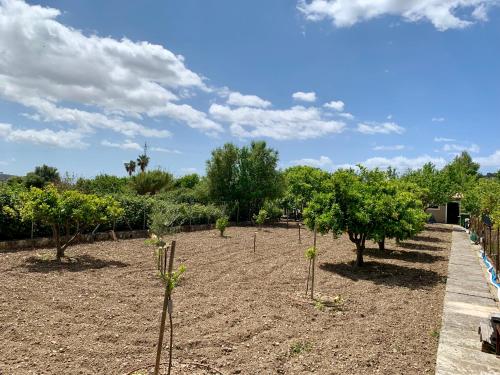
(439, 213)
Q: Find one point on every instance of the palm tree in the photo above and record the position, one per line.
(143, 161)
(130, 167)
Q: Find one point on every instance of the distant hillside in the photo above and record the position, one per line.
(4, 177)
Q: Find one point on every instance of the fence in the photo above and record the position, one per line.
(490, 238)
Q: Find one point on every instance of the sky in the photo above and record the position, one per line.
(84, 84)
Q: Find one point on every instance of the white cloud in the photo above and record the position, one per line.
(492, 160)
(165, 150)
(61, 138)
(346, 115)
(127, 145)
(91, 81)
(443, 14)
(389, 148)
(240, 100)
(294, 123)
(442, 139)
(454, 148)
(438, 119)
(322, 162)
(380, 128)
(304, 96)
(189, 170)
(337, 105)
(402, 163)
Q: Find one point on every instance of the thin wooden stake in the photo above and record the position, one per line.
(308, 277)
(166, 303)
(300, 241)
(254, 241)
(313, 265)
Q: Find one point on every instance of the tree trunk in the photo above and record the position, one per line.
(359, 254)
(57, 239)
(381, 244)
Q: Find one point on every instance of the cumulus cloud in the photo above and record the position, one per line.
(239, 100)
(293, 123)
(322, 162)
(443, 14)
(48, 137)
(304, 96)
(380, 128)
(492, 160)
(438, 119)
(347, 115)
(127, 145)
(454, 148)
(402, 163)
(337, 105)
(91, 81)
(389, 148)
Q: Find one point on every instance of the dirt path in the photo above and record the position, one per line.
(238, 311)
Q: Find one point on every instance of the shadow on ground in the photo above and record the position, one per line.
(386, 274)
(420, 246)
(406, 256)
(432, 228)
(78, 264)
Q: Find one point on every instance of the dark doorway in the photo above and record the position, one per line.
(452, 212)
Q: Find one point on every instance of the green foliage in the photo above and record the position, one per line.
(261, 217)
(366, 205)
(434, 185)
(302, 182)
(130, 167)
(152, 182)
(483, 198)
(244, 178)
(221, 224)
(103, 184)
(300, 347)
(41, 176)
(188, 181)
(143, 162)
(166, 216)
(273, 210)
(311, 253)
(66, 210)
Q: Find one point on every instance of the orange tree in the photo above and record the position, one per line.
(68, 213)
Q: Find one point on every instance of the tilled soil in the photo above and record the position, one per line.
(236, 311)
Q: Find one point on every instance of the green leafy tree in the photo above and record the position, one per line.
(462, 173)
(221, 224)
(103, 184)
(41, 176)
(244, 178)
(66, 211)
(152, 182)
(188, 181)
(434, 186)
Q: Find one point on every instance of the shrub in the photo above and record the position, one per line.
(152, 182)
(221, 224)
(261, 217)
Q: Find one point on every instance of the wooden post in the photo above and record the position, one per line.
(300, 241)
(166, 304)
(254, 240)
(313, 265)
(32, 229)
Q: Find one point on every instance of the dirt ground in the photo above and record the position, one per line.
(237, 311)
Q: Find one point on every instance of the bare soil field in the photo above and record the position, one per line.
(235, 310)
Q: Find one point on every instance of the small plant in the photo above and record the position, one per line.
(221, 224)
(319, 305)
(300, 347)
(261, 217)
(311, 256)
(434, 334)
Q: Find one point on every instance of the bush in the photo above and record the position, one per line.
(103, 184)
(152, 182)
(221, 224)
(261, 217)
(273, 210)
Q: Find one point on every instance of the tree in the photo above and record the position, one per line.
(66, 211)
(434, 185)
(103, 184)
(301, 183)
(130, 167)
(244, 178)
(365, 205)
(461, 173)
(188, 181)
(143, 161)
(152, 182)
(41, 176)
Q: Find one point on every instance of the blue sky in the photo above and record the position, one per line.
(84, 84)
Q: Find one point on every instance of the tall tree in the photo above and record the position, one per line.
(130, 167)
(143, 161)
(41, 176)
